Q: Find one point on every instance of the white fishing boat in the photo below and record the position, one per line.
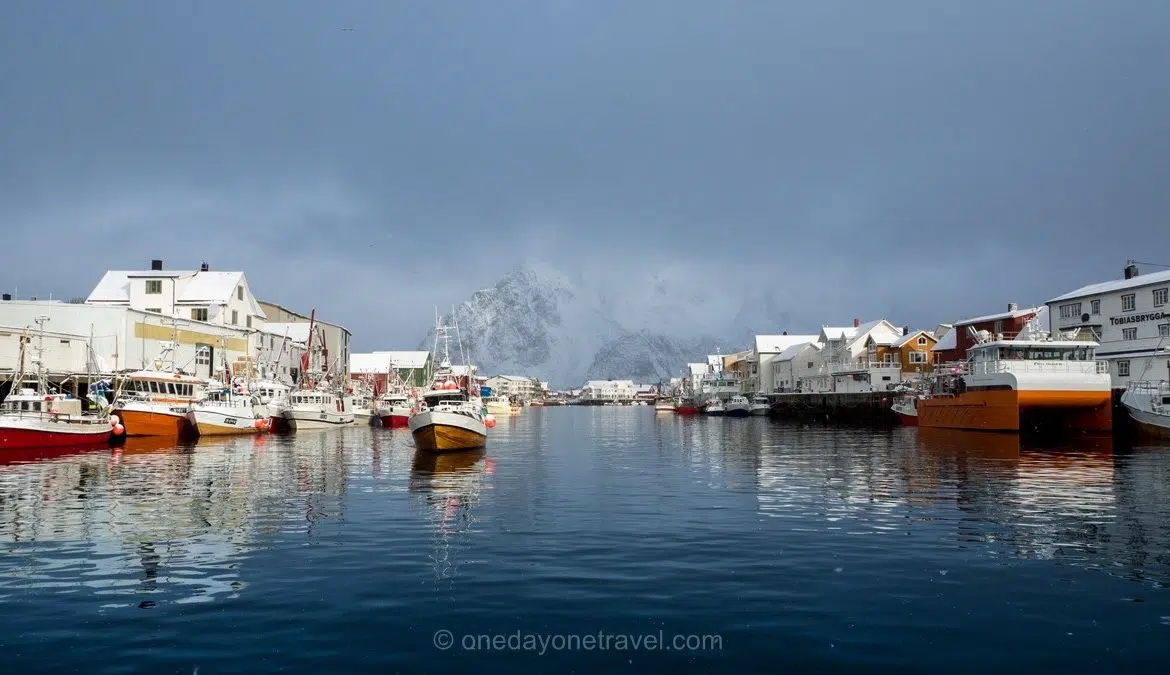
(760, 405)
(1148, 403)
(32, 417)
(318, 403)
(715, 407)
(498, 405)
(229, 411)
(363, 405)
(449, 419)
(664, 404)
(393, 408)
(738, 406)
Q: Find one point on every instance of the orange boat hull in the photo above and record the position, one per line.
(1009, 410)
(143, 423)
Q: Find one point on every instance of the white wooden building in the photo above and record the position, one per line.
(1129, 317)
(609, 390)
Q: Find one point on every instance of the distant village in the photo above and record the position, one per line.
(213, 322)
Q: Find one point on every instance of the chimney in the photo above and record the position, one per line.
(156, 265)
(1131, 270)
(784, 333)
(204, 267)
(856, 322)
(1012, 307)
(905, 330)
(7, 297)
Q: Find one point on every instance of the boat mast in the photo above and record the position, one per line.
(309, 349)
(42, 381)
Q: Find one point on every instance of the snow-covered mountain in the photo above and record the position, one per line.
(539, 322)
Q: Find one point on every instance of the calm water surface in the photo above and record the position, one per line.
(764, 546)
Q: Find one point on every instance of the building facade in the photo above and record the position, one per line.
(337, 338)
(609, 390)
(415, 368)
(953, 344)
(516, 386)
(1129, 318)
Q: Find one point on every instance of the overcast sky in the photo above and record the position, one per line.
(917, 160)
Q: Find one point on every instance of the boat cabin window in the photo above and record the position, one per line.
(1037, 353)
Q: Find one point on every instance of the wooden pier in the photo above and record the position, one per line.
(870, 408)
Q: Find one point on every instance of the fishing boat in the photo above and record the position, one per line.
(229, 411)
(393, 407)
(499, 405)
(1148, 403)
(738, 406)
(318, 403)
(32, 417)
(363, 405)
(715, 407)
(760, 405)
(1029, 382)
(685, 405)
(905, 406)
(155, 401)
(663, 404)
(448, 419)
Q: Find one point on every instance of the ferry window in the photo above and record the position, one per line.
(1123, 368)
(1129, 333)
(1095, 307)
(1160, 296)
(171, 388)
(153, 387)
(1128, 302)
(153, 286)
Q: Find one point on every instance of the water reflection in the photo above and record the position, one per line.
(448, 486)
(152, 522)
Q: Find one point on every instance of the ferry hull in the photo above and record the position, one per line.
(1012, 410)
(27, 437)
(154, 423)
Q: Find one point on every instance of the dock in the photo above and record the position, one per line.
(872, 408)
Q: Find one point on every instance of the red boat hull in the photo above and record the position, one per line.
(908, 420)
(687, 409)
(35, 438)
(394, 421)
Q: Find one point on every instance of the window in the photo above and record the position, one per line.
(153, 286)
(917, 357)
(248, 320)
(199, 314)
(1095, 307)
(1123, 368)
(1070, 311)
(921, 340)
(239, 292)
(1127, 302)
(1160, 296)
(1129, 334)
(155, 310)
(1164, 330)
(235, 318)
(203, 355)
(998, 326)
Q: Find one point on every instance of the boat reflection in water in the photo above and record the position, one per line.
(448, 486)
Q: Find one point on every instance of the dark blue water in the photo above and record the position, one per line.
(589, 540)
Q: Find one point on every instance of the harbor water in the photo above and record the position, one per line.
(589, 539)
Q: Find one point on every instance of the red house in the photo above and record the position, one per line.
(953, 345)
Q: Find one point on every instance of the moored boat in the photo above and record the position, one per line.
(1029, 382)
(760, 405)
(1148, 403)
(715, 407)
(318, 408)
(227, 411)
(905, 407)
(664, 404)
(498, 405)
(156, 403)
(686, 406)
(448, 420)
(738, 406)
(393, 408)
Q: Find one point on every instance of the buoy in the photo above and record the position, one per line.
(259, 424)
(119, 429)
(114, 420)
(490, 423)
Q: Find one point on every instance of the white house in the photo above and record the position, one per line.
(221, 298)
(518, 386)
(609, 390)
(794, 365)
(695, 373)
(847, 358)
(122, 339)
(760, 374)
(1129, 317)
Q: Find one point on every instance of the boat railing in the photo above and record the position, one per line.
(1095, 367)
(859, 366)
(1161, 387)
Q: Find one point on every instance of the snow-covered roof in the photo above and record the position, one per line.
(774, 344)
(414, 359)
(1116, 285)
(698, 368)
(297, 332)
(905, 339)
(793, 351)
(949, 340)
(194, 288)
(511, 378)
(113, 287)
(601, 384)
(1015, 314)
